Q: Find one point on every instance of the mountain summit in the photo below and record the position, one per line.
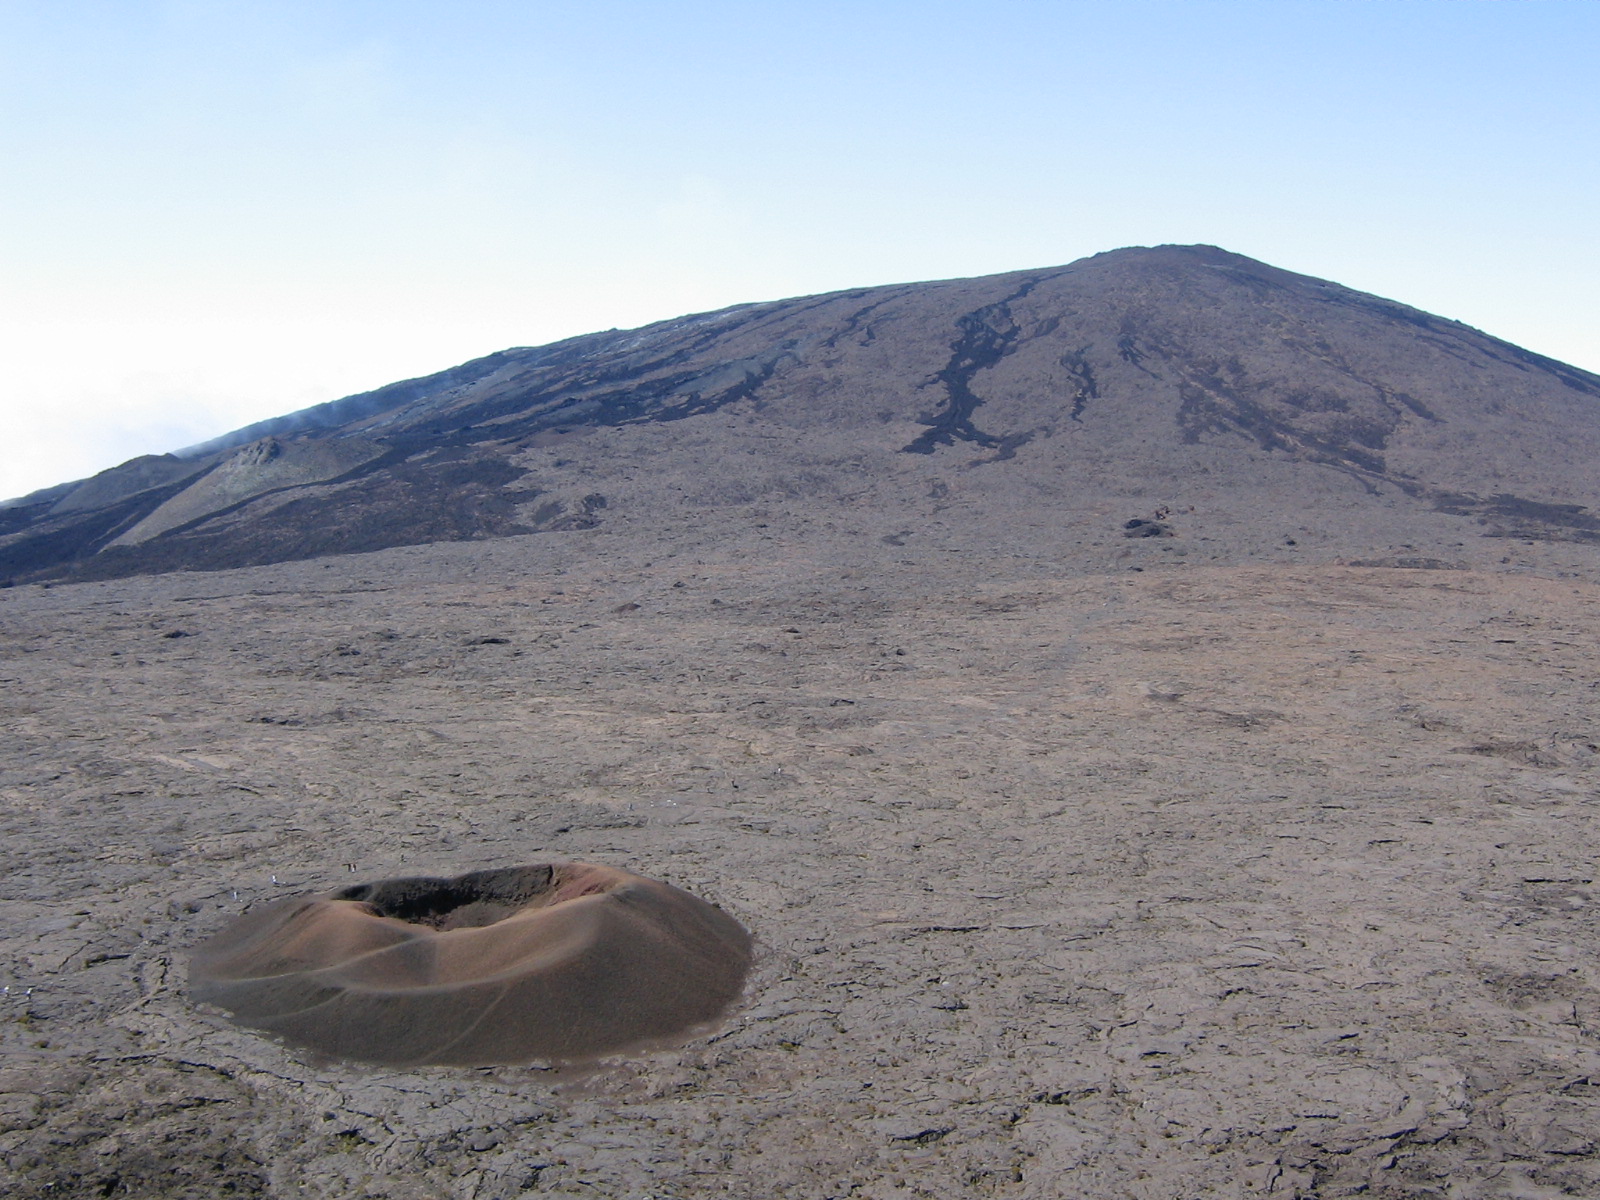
(1184, 396)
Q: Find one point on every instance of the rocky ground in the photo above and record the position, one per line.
(1197, 880)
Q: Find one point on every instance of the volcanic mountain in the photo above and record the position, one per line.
(1176, 400)
(1016, 659)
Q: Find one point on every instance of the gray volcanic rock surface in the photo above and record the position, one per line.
(1060, 403)
(1263, 880)
(1147, 713)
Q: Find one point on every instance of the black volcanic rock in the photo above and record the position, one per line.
(1041, 408)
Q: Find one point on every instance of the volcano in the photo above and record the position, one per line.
(1142, 711)
(1176, 401)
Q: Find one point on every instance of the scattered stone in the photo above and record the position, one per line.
(917, 1130)
(1139, 527)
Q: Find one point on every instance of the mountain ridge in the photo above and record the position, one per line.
(1069, 383)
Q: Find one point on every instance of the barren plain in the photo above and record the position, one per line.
(1198, 880)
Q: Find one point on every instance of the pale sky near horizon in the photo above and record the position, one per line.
(216, 211)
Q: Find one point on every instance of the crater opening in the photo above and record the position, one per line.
(469, 901)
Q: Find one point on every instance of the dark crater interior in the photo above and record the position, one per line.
(466, 902)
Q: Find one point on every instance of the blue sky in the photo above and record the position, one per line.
(213, 211)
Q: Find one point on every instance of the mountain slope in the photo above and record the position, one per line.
(1218, 400)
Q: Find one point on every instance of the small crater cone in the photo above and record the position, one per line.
(560, 962)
